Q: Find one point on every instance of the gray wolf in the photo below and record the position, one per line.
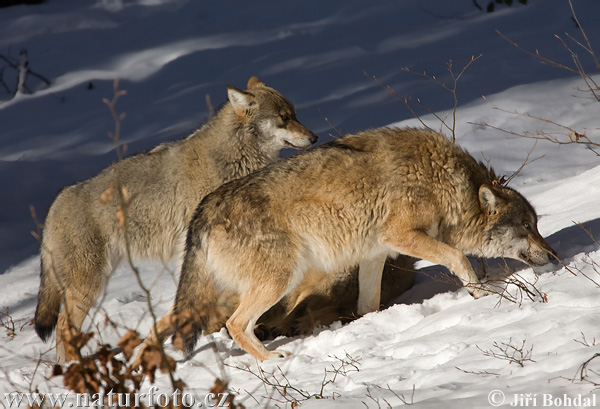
(83, 241)
(353, 201)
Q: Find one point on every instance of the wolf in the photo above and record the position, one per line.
(353, 201)
(83, 240)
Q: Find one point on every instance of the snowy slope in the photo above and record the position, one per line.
(170, 54)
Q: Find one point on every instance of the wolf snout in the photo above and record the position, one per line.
(541, 255)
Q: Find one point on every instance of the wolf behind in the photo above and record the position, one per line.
(355, 200)
(321, 299)
(83, 241)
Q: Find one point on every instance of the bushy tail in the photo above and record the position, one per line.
(196, 302)
(48, 306)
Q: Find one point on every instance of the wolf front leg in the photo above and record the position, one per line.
(369, 284)
(418, 244)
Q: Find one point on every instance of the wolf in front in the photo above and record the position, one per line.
(353, 201)
(82, 240)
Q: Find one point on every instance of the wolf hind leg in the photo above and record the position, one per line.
(197, 298)
(70, 320)
(241, 324)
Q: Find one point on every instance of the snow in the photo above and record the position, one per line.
(169, 54)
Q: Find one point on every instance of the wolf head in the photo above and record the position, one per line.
(511, 227)
(272, 113)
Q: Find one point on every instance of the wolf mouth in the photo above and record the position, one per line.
(291, 145)
(532, 262)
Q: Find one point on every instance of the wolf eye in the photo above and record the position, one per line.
(283, 120)
(527, 226)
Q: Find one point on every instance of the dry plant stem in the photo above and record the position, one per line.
(589, 81)
(525, 163)
(338, 131)
(589, 48)
(509, 352)
(10, 325)
(592, 86)
(588, 232)
(452, 89)
(211, 109)
(402, 398)
(524, 288)
(577, 271)
(583, 371)
(569, 135)
(537, 55)
(23, 67)
(38, 362)
(118, 118)
(399, 98)
(280, 384)
(39, 226)
(585, 342)
(479, 373)
(269, 379)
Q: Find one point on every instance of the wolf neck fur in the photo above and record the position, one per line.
(232, 144)
(471, 230)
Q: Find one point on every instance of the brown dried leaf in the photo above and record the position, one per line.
(167, 365)
(218, 387)
(80, 339)
(179, 385)
(107, 196)
(151, 359)
(129, 342)
(73, 379)
(105, 355)
(575, 136)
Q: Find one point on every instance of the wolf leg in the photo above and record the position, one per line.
(241, 324)
(418, 244)
(69, 324)
(369, 284)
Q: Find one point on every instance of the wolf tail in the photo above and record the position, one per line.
(196, 303)
(49, 301)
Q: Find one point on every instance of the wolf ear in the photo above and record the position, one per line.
(240, 100)
(254, 82)
(487, 199)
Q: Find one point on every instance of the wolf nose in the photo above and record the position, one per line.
(313, 138)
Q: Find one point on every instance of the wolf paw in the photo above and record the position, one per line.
(478, 292)
(279, 354)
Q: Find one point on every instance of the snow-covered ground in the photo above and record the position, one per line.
(170, 54)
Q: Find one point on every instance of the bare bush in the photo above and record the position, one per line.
(506, 351)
